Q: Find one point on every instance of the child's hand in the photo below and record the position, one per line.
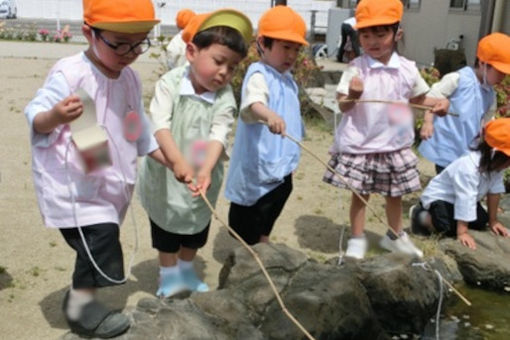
(426, 131)
(183, 172)
(499, 229)
(203, 182)
(441, 107)
(355, 88)
(276, 124)
(467, 240)
(67, 110)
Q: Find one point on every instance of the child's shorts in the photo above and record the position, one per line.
(442, 214)
(168, 242)
(258, 220)
(103, 242)
(389, 173)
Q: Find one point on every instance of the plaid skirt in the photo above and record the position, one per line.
(389, 173)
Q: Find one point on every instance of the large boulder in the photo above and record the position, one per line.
(488, 265)
(368, 299)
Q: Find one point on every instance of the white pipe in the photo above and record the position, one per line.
(498, 16)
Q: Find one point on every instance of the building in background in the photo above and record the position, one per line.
(428, 24)
(441, 24)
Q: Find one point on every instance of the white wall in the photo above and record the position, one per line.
(433, 25)
(72, 9)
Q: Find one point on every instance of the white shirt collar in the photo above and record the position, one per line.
(187, 89)
(393, 63)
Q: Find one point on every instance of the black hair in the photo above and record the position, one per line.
(222, 35)
(266, 42)
(490, 159)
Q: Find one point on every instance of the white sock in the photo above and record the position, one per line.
(164, 271)
(185, 265)
(77, 299)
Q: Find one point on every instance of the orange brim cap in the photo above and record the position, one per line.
(494, 49)
(497, 134)
(127, 27)
(381, 21)
(371, 13)
(288, 36)
(223, 17)
(123, 16)
(501, 67)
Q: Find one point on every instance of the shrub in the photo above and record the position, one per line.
(503, 97)
(67, 36)
(44, 34)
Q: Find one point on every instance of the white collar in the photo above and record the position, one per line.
(187, 89)
(393, 63)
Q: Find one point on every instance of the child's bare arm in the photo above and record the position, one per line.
(214, 152)
(439, 106)
(355, 92)
(463, 235)
(63, 112)
(492, 207)
(427, 128)
(158, 156)
(275, 123)
(182, 170)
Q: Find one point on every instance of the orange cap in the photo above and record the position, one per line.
(124, 16)
(497, 134)
(378, 13)
(283, 23)
(183, 17)
(494, 49)
(222, 17)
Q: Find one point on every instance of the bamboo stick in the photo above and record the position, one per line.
(466, 301)
(261, 265)
(379, 101)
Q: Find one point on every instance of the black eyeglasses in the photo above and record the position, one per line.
(123, 49)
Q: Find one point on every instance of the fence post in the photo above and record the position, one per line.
(313, 13)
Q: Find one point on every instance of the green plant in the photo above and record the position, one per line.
(20, 35)
(30, 35)
(430, 74)
(503, 97)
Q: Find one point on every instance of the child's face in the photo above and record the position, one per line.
(378, 43)
(211, 67)
(106, 46)
(281, 56)
(494, 76)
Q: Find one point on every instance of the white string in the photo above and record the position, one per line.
(425, 266)
(438, 312)
(75, 218)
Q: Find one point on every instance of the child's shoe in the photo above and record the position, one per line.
(402, 244)
(356, 247)
(170, 284)
(410, 245)
(417, 215)
(192, 282)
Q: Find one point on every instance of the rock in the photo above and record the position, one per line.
(403, 296)
(358, 300)
(488, 265)
(330, 303)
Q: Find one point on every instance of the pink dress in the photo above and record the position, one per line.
(372, 142)
(102, 196)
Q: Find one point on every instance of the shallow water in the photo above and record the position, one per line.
(488, 318)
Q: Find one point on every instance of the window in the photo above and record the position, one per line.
(465, 5)
(411, 4)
